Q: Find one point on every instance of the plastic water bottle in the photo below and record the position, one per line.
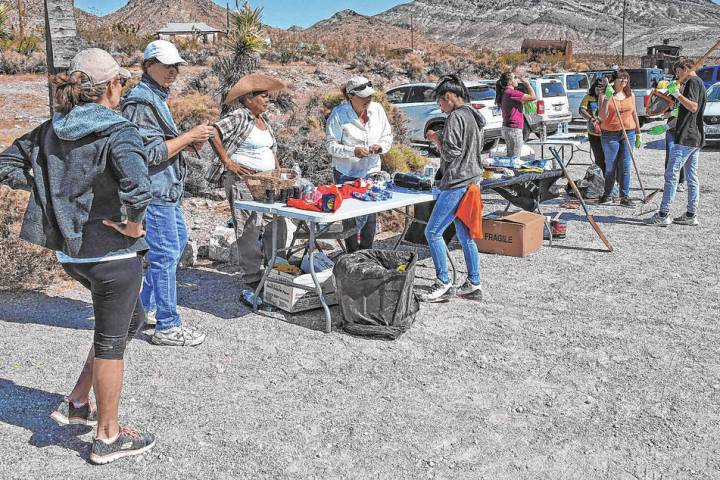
(297, 170)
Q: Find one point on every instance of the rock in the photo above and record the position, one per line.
(203, 251)
(190, 254)
(222, 245)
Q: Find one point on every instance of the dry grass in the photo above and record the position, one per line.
(192, 109)
(23, 266)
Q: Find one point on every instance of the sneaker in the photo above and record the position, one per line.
(605, 200)
(685, 220)
(658, 221)
(470, 291)
(681, 187)
(181, 336)
(628, 202)
(68, 414)
(128, 443)
(150, 318)
(440, 292)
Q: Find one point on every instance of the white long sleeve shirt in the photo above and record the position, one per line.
(345, 131)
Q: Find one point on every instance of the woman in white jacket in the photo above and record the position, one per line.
(357, 133)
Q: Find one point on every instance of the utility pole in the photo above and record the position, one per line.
(622, 61)
(412, 34)
(21, 18)
(227, 19)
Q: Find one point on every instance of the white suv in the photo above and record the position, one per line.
(422, 114)
(553, 107)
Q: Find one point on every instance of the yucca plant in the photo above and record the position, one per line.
(244, 43)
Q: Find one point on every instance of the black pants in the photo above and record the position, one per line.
(367, 232)
(119, 314)
(599, 154)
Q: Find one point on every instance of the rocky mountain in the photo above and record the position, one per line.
(35, 16)
(152, 15)
(592, 25)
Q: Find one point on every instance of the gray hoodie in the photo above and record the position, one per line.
(82, 168)
(462, 143)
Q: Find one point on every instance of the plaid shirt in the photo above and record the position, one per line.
(235, 127)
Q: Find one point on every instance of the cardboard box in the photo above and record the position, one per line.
(294, 299)
(516, 235)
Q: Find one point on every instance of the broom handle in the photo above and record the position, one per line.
(629, 147)
(702, 59)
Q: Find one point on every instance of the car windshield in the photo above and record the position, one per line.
(705, 74)
(577, 82)
(552, 89)
(713, 93)
(481, 93)
(639, 79)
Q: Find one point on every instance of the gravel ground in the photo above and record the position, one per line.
(578, 364)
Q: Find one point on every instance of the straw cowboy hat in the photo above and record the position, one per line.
(256, 82)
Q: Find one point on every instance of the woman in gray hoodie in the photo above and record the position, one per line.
(90, 187)
(460, 148)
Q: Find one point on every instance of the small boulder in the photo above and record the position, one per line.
(222, 246)
(190, 254)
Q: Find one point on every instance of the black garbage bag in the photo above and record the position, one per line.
(375, 292)
(592, 185)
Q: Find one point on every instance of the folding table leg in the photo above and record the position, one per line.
(408, 223)
(270, 265)
(318, 287)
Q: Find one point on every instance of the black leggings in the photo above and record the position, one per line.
(119, 314)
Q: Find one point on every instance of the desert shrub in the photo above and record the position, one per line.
(192, 109)
(402, 158)
(205, 83)
(512, 58)
(121, 39)
(24, 266)
(13, 62)
(413, 66)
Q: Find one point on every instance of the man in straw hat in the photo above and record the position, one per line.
(250, 144)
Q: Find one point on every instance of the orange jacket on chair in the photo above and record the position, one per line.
(470, 209)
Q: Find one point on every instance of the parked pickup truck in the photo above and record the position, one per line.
(642, 82)
(709, 74)
(576, 87)
(422, 114)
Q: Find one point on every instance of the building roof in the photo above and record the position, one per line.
(190, 27)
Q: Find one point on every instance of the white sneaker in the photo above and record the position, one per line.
(658, 221)
(181, 336)
(685, 220)
(469, 291)
(440, 292)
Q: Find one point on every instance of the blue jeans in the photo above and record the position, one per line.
(687, 158)
(166, 235)
(366, 225)
(617, 157)
(444, 213)
(669, 142)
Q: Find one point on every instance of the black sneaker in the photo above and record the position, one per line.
(67, 414)
(469, 291)
(128, 443)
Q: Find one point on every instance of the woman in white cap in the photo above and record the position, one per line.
(146, 106)
(357, 133)
(90, 187)
(249, 141)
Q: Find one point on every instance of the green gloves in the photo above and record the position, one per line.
(657, 130)
(675, 112)
(638, 140)
(609, 91)
(674, 89)
(530, 108)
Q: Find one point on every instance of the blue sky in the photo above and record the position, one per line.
(278, 13)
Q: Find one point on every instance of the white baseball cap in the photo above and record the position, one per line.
(164, 52)
(359, 86)
(98, 65)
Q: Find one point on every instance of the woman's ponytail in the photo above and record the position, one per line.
(71, 90)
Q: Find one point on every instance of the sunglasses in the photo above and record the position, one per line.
(362, 87)
(123, 81)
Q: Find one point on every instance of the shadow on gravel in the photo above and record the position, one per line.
(30, 408)
(610, 219)
(211, 292)
(41, 309)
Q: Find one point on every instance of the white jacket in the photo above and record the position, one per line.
(344, 132)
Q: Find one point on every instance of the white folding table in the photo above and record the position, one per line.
(351, 208)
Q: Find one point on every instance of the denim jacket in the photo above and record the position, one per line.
(145, 106)
(82, 168)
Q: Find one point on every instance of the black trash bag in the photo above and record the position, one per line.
(376, 299)
(416, 232)
(592, 185)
